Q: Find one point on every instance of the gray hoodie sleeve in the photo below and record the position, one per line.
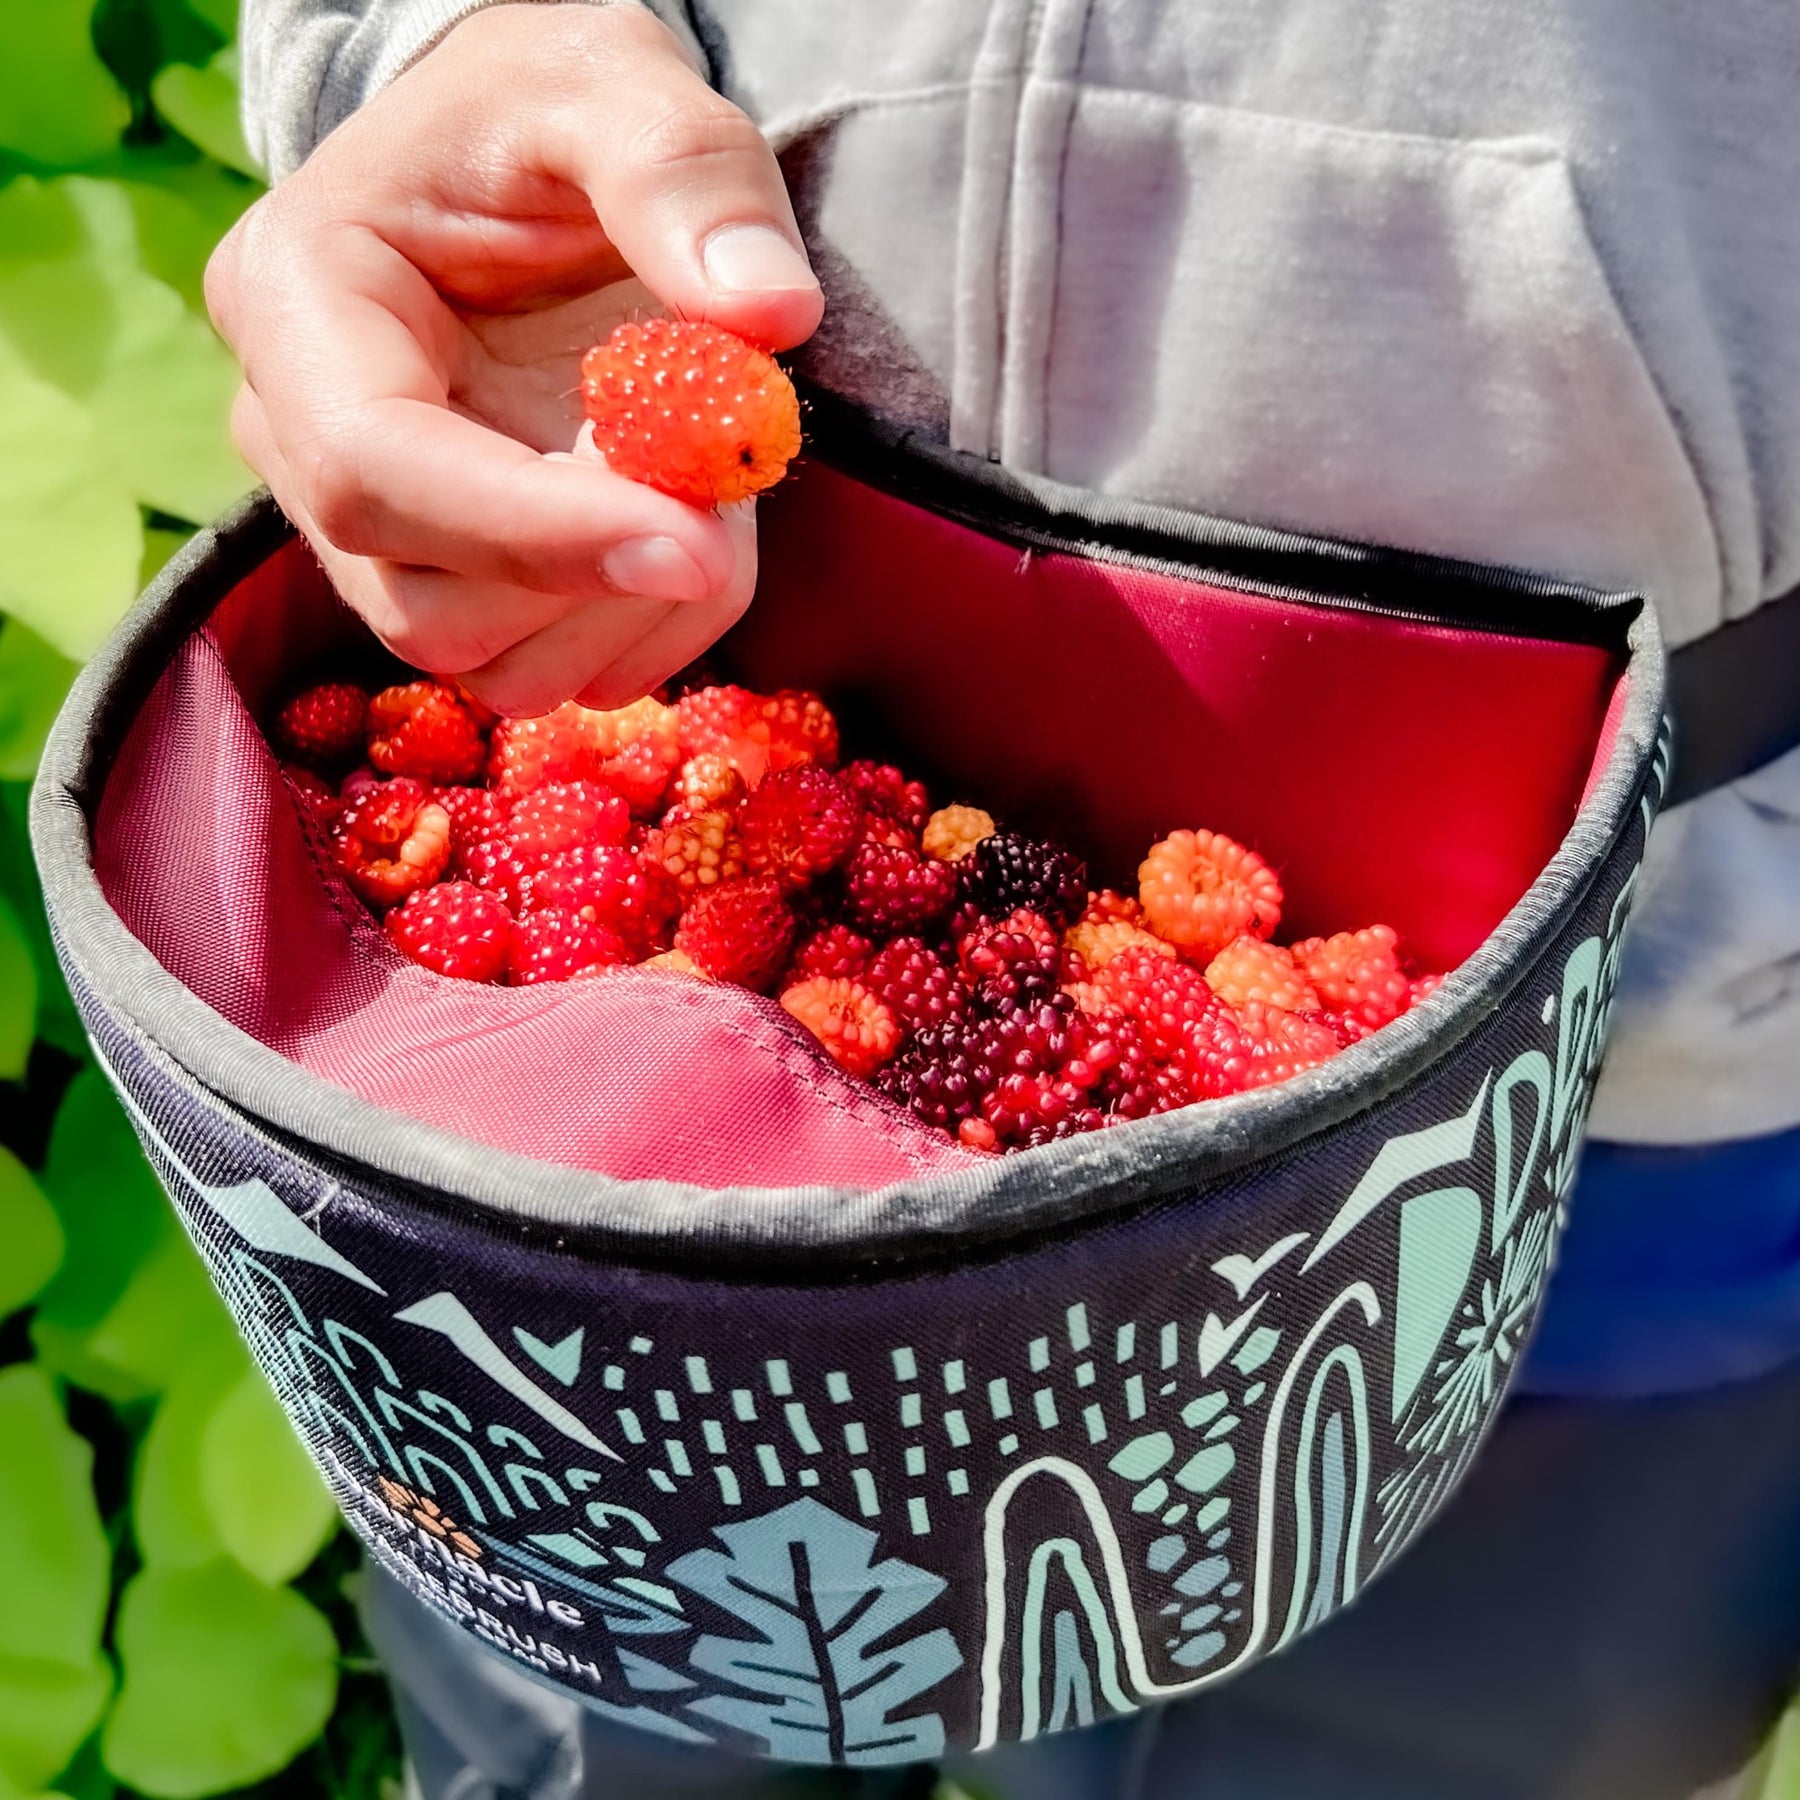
(308, 64)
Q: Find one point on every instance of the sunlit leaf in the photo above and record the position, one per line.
(272, 1509)
(18, 996)
(202, 104)
(182, 210)
(53, 1575)
(34, 677)
(58, 103)
(106, 1195)
(168, 1313)
(224, 1680)
(70, 535)
(57, 1020)
(30, 1233)
(46, 1709)
(220, 14)
(169, 1516)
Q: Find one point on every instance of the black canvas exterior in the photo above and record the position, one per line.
(952, 1503)
(1088, 1432)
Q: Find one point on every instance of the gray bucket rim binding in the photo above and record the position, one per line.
(1080, 1182)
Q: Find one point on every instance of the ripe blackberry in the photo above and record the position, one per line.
(1010, 870)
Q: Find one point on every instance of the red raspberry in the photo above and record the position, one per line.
(1029, 1110)
(878, 828)
(706, 781)
(829, 950)
(1214, 1056)
(857, 1029)
(738, 931)
(561, 815)
(881, 788)
(424, 730)
(526, 753)
(696, 850)
(916, 982)
(324, 725)
(315, 794)
(454, 929)
(889, 890)
(358, 783)
(391, 841)
(1010, 870)
(802, 729)
(725, 721)
(1422, 987)
(1109, 907)
(1349, 1029)
(1282, 1043)
(691, 410)
(494, 863)
(475, 813)
(607, 885)
(1095, 942)
(1011, 958)
(1357, 972)
(1201, 889)
(1164, 997)
(551, 945)
(1125, 1084)
(638, 750)
(1250, 969)
(952, 832)
(800, 823)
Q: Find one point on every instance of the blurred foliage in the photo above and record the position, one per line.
(175, 1592)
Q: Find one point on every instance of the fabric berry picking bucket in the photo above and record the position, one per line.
(700, 1380)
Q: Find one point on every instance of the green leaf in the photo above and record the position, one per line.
(167, 1314)
(53, 1573)
(18, 996)
(70, 537)
(169, 1516)
(34, 678)
(202, 104)
(273, 1511)
(220, 14)
(107, 1196)
(46, 1709)
(58, 104)
(225, 1681)
(182, 209)
(57, 1020)
(31, 1232)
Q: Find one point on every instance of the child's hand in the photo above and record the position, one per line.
(410, 309)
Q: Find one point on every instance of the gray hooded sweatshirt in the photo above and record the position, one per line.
(1518, 283)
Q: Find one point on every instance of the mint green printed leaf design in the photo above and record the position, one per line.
(272, 1510)
(53, 1574)
(34, 678)
(827, 1671)
(224, 1681)
(58, 103)
(31, 1234)
(202, 104)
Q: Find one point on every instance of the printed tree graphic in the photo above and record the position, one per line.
(826, 1669)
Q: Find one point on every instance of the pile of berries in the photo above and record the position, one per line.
(969, 971)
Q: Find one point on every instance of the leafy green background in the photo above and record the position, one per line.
(175, 1592)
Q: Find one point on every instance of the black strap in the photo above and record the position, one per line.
(1734, 696)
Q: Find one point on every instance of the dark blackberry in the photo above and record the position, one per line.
(1010, 870)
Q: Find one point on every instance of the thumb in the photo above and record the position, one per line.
(684, 184)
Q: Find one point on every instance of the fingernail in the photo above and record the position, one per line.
(657, 568)
(745, 259)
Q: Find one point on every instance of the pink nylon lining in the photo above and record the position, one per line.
(1392, 771)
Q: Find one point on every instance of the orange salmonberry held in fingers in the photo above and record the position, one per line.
(691, 410)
